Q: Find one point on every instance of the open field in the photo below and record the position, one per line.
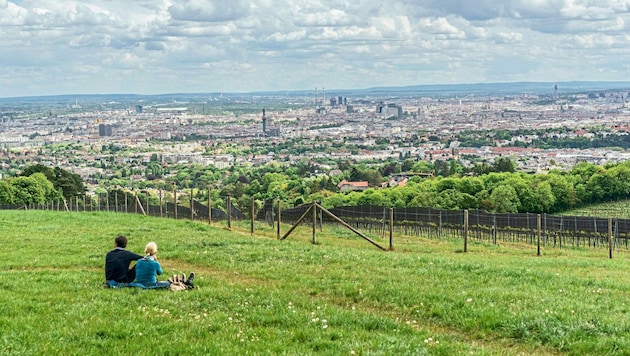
(257, 295)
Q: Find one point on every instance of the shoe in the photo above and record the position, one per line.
(182, 278)
(190, 280)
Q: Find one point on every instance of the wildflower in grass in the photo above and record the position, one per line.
(468, 300)
(430, 342)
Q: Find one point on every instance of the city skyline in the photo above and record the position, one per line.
(150, 47)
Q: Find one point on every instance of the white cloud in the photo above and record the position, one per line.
(212, 45)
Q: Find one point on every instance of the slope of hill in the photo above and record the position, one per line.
(257, 295)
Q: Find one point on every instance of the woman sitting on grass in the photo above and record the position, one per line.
(148, 268)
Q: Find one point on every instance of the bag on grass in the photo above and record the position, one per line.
(177, 283)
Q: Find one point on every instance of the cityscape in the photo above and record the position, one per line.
(369, 126)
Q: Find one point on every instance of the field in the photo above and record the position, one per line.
(617, 209)
(341, 296)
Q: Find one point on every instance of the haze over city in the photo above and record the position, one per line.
(150, 47)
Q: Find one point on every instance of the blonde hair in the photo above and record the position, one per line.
(151, 248)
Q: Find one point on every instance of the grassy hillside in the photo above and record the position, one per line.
(617, 209)
(257, 295)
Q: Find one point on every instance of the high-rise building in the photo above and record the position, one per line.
(264, 123)
(104, 130)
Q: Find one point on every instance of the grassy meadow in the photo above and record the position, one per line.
(342, 296)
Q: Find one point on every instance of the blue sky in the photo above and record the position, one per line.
(156, 46)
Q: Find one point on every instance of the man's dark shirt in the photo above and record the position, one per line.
(117, 265)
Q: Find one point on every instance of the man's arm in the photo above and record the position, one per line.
(133, 256)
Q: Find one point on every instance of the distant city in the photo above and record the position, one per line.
(422, 122)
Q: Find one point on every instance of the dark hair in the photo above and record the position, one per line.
(121, 241)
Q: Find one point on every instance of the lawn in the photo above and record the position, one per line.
(341, 296)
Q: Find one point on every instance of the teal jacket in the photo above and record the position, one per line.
(147, 270)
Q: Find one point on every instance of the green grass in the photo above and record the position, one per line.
(341, 296)
(617, 209)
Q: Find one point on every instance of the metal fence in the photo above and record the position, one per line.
(482, 226)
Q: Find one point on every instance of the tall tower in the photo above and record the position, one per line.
(555, 91)
(264, 122)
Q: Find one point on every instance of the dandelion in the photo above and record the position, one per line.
(324, 326)
(469, 300)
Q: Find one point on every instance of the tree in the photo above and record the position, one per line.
(6, 193)
(50, 193)
(27, 190)
(69, 184)
(504, 199)
(503, 164)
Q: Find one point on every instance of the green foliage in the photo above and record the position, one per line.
(6, 192)
(504, 199)
(68, 184)
(27, 190)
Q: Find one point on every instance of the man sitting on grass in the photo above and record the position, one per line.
(117, 262)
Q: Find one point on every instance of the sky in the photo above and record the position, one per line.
(50, 47)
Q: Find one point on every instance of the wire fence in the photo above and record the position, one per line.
(474, 225)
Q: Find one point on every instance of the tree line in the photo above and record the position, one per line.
(493, 187)
(39, 184)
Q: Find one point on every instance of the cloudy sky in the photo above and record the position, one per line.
(166, 46)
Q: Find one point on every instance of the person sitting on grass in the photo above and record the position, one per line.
(148, 268)
(117, 262)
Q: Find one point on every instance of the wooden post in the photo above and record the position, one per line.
(299, 220)
(314, 212)
(115, 201)
(278, 222)
(192, 207)
(84, 201)
(466, 230)
(321, 221)
(209, 208)
(391, 229)
(160, 198)
(345, 224)
(251, 213)
(175, 199)
(139, 205)
(76, 202)
(229, 211)
(98, 202)
(147, 200)
(539, 228)
(610, 238)
(126, 203)
(136, 203)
